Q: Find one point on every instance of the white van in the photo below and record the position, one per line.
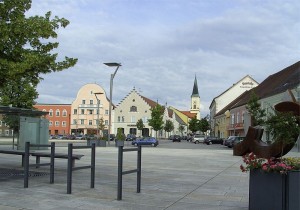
(198, 138)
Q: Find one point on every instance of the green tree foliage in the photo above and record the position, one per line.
(18, 93)
(25, 46)
(101, 126)
(156, 121)
(194, 125)
(283, 126)
(181, 129)
(140, 125)
(257, 114)
(120, 135)
(203, 125)
(169, 126)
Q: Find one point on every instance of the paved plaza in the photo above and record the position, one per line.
(175, 176)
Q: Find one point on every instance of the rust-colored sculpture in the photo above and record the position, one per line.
(253, 143)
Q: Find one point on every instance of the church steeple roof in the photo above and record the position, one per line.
(195, 88)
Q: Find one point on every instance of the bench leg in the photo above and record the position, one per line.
(37, 161)
(23, 157)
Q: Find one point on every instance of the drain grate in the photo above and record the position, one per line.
(6, 174)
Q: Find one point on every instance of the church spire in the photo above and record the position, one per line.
(195, 88)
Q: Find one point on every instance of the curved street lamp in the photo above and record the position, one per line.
(98, 111)
(110, 94)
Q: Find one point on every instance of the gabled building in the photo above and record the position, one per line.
(90, 105)
(280, 86)
(130, 109)
(195, 101)
(222, 100)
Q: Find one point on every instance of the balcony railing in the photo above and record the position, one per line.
(235, 126)
(90, 106)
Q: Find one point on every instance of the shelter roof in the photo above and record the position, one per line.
(7, 110)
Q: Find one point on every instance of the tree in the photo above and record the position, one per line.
(18, 93)
(257, 114)
(140, 125)
(203, 125)
(156, 121)
(181, 129)
(101, 126)
(193, 125)
(169, 126)
(25, 49)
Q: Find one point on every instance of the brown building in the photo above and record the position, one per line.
(59, 117)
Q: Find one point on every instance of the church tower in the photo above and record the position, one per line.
(195, 100)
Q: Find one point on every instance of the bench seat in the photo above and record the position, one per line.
(38, 155)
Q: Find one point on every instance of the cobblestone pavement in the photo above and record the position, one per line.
(175, 176)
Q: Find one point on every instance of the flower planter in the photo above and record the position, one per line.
(274, 190)
(102, 143)
(90, 142)
(293, 190)
(119, 143)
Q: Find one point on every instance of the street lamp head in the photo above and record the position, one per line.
(112, 64)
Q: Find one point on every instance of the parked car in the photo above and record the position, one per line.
(198, 138)
(145, 141)
(79, 137)
(213, 140)
(176, 138)
(171, 137)
(112, 137)
(232, 140)
(130, 137)
(71, 137)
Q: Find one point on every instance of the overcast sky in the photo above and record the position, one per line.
(163, 44)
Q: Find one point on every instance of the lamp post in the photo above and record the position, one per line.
(117, 65)
(98, 111)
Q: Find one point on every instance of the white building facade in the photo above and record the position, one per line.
(85, 111)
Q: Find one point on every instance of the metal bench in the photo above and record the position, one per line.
(38, 156)
(15, 152)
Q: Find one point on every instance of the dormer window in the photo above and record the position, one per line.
(133, 109)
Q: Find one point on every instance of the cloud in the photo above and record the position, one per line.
(163, 46)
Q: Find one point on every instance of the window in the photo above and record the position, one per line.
(82, 122)
(106, 122)
(133, 109)
(50, 112)
(64, 123)
(243, 115)
(50, 123)
(83, 101)
(90, 122)
(119, 119)
(57, 113)
(145, 119)
(75, 111)
(232, 119)
(238, 117)
(91, 102)
(56, 123)
(133, 119)
(90, 111)
(82, 111)
(123, 119)
(74, 122)
(106, 112)
(64, 113)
